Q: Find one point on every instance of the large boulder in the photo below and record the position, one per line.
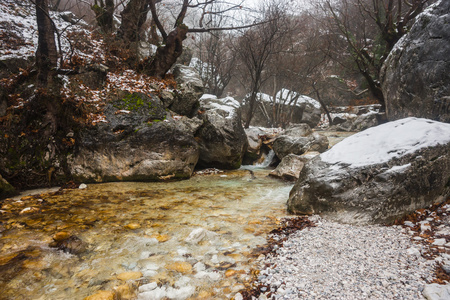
(221, 138)
(378, 175)
(416, 75)
(191, 86)
(298, 139)
(137, 141)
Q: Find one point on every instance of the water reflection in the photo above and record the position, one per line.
(188, 239)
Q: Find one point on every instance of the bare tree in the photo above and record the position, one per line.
(255, 48)
(370, 29)
(172, 47)
(216, 61)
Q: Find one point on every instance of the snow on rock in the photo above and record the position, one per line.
(382, 143)
(285, 96)
(378, 175)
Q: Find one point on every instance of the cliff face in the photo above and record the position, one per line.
(416, 75)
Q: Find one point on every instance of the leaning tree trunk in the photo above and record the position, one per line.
(166, 56)
(48, 95)
(46, 54)
(134, 16)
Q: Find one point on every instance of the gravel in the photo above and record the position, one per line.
(339, 261)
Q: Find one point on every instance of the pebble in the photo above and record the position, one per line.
(101, 295)
(133, 226)
(339, 261)
(180, 266)
(439, 242)
(125, 276)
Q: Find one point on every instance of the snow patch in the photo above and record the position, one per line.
(382, 143)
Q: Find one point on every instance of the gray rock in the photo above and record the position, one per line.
(298, 139)
(298, 130)
(254, 140)
(138, 142)
(190, 84)
(222, 139)
(260, 143)
(376, 189)
(416, 75)
(289, 168)
(357, 123)
(311, 114)
(436, 291)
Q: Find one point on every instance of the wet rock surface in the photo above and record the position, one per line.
(260, 142)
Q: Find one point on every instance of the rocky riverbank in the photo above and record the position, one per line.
(328, 260)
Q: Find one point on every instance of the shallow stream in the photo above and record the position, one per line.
(189, 239)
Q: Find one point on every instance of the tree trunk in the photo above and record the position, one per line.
(104, 14)
(166, 56)
(134, 16)
(375, 89)
(330, 120)
(251, 108)
(46, 54)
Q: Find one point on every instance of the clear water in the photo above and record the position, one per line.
(182, 240)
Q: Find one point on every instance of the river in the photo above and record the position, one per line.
(189, 239)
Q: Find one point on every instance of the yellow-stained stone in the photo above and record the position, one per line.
(180, 266)
(61, 236)
(133, 226)
(230, 273)
(124, 292)
(254, 222)
(204, 295)
(249, 229)
(161, 237)
(34, 265)
(7, 207)
(101, 295)
(129, 276)
(226, 283)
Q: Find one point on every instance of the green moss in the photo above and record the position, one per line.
(132, 102)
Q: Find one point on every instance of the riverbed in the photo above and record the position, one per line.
(183, 240)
